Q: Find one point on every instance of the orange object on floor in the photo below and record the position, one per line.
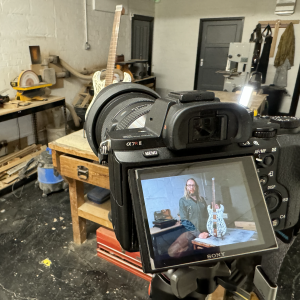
(110, 249)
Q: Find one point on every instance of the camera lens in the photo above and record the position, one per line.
(123, 112)
(118, 106)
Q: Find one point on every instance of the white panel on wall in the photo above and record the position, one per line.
(285, 7)
(109, 6)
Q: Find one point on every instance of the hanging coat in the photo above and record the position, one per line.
(284, 59)
(286, 47)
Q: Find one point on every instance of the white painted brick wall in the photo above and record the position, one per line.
(16, 7)
(57, 26)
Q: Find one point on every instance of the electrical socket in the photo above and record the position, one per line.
(87, 46)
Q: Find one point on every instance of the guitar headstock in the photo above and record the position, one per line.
(121, 9)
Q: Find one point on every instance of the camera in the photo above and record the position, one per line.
(191, 155)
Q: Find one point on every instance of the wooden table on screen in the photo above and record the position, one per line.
(69, 153)
(240, 226)
(157, 230)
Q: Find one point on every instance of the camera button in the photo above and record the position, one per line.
(268, 160)
(275, 222)
(263, 180)
(273, 200)
(150, 153)
(246, 144)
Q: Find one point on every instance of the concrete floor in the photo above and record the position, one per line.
(289, 276)
(33, 229)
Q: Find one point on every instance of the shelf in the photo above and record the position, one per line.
(97, 213)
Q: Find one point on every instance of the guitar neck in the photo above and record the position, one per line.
(213, 194)
(113, 48)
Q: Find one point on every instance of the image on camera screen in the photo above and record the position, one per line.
(202, 210)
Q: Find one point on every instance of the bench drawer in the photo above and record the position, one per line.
(85, 171)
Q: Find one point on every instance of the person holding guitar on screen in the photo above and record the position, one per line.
(193, 210)
(194, 216)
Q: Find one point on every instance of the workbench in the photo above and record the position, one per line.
(34, 106)
(149, 81)
(256, 103)
(13, 110)
(71, 154)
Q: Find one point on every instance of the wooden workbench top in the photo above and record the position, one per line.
(34, 103)
(255, 102)
(74, 144)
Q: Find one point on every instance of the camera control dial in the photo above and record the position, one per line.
(264, 160)
(265, 133)
(286, 122)
(273, 200)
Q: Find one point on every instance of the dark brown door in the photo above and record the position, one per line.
(214, 38)
(142, 38)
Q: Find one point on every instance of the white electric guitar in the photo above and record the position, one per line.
(216, 225)
(110, 75)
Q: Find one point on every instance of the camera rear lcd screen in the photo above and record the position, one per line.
(203, 211)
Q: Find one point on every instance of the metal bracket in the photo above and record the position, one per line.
(83, 172)
(105, 147)
(186, 280)
(53, 59)
(263, 285)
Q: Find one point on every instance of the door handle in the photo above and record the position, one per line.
(201, 62)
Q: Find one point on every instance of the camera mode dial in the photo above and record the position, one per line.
(286, 122)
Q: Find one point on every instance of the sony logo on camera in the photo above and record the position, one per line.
(216, 255)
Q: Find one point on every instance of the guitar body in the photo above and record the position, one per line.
(216, 218)
(216, 225)
(126, 69)
(99, 84)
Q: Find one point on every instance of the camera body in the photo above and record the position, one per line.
(195, 126)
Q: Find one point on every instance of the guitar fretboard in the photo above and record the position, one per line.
(213, 195)
(113, 49)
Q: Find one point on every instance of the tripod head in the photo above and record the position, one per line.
(191, 283)
(195, 283)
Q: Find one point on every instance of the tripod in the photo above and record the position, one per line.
(195, 283)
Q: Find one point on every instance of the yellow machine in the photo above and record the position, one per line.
(28, 86)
